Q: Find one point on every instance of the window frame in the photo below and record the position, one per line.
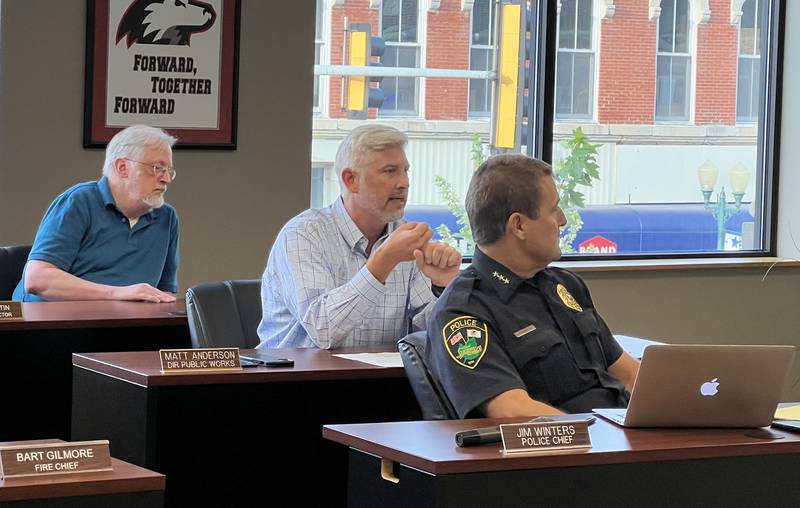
(767, 170)
(690, 59)
(321, 44)
(753, 60)
(489, 49)
(595, 27)
(418, 47)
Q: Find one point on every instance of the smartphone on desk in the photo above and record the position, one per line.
(265, 360)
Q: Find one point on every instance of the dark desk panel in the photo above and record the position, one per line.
(624, 467)
(126, 486)
(240, 438)
(37, 364)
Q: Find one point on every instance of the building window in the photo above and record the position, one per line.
(480, 57)
(399, 28)
(673, 64)
(319, 47)
(575, 61)
(632, 186)
(747, 83)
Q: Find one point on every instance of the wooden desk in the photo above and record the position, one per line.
(126, 486)
(37, 364)
(625, 467)
(245, 437)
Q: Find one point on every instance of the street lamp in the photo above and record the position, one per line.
(707, 174)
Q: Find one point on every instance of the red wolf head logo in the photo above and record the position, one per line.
(165, 21)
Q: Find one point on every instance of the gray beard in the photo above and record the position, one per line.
(154, 200)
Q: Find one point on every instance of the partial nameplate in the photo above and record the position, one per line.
(220, 359)
(11, 311)
(529, 436)
(54, 458)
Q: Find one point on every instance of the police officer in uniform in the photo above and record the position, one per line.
(511, 336)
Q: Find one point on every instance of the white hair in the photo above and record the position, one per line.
(363, 139)
(129, 142)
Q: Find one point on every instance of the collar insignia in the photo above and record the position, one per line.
(567, 298)
(502, 278)
(466, 339)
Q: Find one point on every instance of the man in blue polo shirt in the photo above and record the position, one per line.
(113, 239)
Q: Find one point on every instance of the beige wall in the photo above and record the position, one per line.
(231, 204)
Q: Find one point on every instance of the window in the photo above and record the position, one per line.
(399, 28)
(673, 65)
(644, 110)
(319, 48)
(747, 86)
(575, 61)
(480, 57)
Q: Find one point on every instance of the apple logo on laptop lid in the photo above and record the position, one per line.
(709, 388)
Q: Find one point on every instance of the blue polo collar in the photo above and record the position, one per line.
(108, 200)
(105, 192)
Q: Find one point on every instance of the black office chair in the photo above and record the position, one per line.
(12, 262)
(224, 314)
(429, 393)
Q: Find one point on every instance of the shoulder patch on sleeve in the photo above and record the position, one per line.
(466, 339)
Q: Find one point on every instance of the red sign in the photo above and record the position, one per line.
(598, 245)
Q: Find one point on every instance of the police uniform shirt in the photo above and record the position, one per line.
(492, 331)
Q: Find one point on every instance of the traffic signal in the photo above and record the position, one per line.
(361, 46)
(507, 122)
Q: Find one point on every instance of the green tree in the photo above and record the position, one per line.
(579, 167)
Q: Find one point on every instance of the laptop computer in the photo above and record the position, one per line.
(706, 386)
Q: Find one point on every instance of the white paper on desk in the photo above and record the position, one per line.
(377, 359)
(634, 346)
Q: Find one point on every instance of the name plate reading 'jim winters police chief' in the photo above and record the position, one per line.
(54, 458)
(222, 359)
(11, 311)
(529, 436)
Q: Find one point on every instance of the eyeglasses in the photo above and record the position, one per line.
(157, 169)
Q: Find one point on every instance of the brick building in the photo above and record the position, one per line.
(662, 85)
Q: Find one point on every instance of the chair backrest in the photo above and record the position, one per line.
(12, 262)
(430, 396)
(224, 314)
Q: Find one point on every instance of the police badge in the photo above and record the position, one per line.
(466, 340)
(567, 298)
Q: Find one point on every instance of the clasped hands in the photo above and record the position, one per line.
(412, 241)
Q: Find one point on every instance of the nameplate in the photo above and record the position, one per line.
(54, 458)
(222, 359)
(528, 437)
(11, 311)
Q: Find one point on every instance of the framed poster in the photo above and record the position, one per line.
(167, 63)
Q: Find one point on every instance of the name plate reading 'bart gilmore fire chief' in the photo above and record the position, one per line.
(540, 436)
(223, 359)
(54, 458)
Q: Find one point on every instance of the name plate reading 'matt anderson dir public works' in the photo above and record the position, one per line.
(200, 360)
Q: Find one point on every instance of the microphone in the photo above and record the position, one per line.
(475, 437)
